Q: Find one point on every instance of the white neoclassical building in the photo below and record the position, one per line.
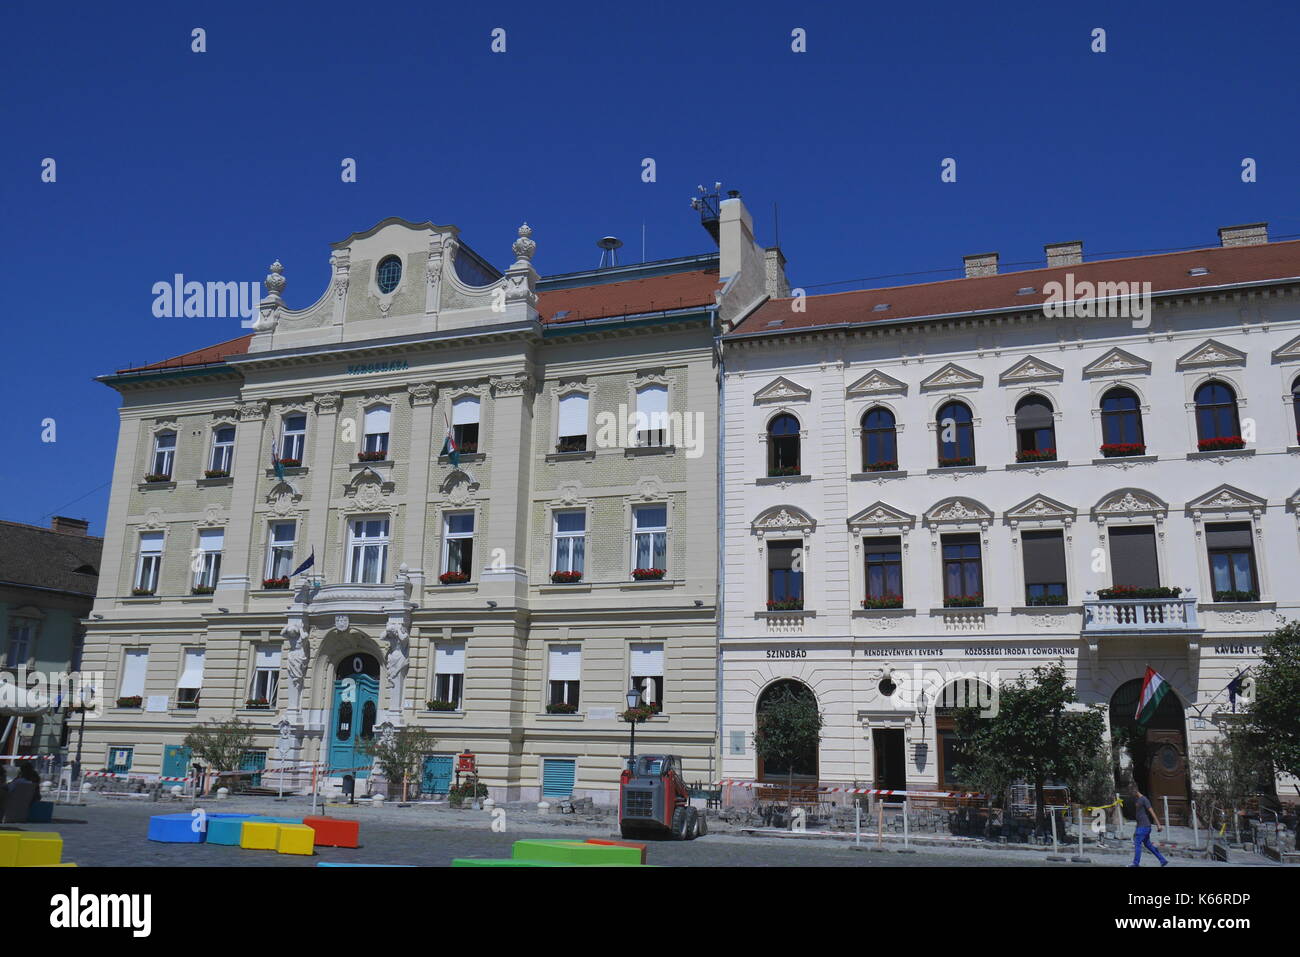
(505, 603)
(933, 488)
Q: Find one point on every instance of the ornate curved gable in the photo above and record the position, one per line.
(1040, 508)
(1211, 354)
(1126, 502)
(783, 518)
(782, 389)
(1225, 499)
(1031, 369)
(958, 510)
(878, 515)
(952, 376)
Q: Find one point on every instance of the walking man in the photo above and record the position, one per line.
(1142, 836)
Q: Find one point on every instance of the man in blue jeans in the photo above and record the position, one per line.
(1142, 836)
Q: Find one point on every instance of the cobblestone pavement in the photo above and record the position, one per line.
(108, 832)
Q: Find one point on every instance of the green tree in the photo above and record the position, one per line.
(789, 728)
(1273, 714)
(1035, 735)
(1230, 770)
(221, 746)
(399, 753)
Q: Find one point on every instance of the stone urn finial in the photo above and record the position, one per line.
(275, 279)
(524, 246)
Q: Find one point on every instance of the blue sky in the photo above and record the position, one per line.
(215, 164)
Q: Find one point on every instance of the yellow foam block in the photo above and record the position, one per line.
(260, 835)
(60, 864)
(9, 847)
(296, 839)
(39, 849)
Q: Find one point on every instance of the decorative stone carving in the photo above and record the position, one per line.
(327, 403)
(782, 389)
(342, 262)
(1031, 369)
(524, 247)
(1227, 498)
(958, 510)
(650, 488)
(879, 514)
(784, 518)
(569, 493)
(296, 661)
(1211, 352)
(397, 659)
(254, 411)
(369, 490)
(422, 393)
(876, 383)
(153, 519)
(212, 516)
(1040, 508)
(459, 487)
(1130, 501)
(283, 499)
(510, 385)
(275, 280)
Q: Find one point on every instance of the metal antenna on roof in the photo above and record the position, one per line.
(609, 247)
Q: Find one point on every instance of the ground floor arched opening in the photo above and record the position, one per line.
(1156, 750)
(961, 693)
(800, 768)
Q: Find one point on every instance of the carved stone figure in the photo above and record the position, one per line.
(296, 661)
(396, 661)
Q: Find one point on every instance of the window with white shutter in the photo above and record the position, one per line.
(565, 677)
(648, 672)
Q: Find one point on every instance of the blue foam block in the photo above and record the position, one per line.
(174, 829)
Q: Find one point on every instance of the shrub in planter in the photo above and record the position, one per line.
(572, 445)
(561, 708)
(1224, 444)
(1134, 591)
(130, 701)
(636, 715)
(883, 467)
(216, 473)
(141, 592)
(786, 604)
(371, 456)
(566, 578)
(648, 574)
(202, 590)
(157, 477)
(275, 582)
(1116, 450)
(1036, 455)
(461, 794)
(956, 462)
(1237, 595)
(291, 463)
(1046, 600)
(453, 578)
(187, 704)
(964, 601)
(437, 704)
(883, 601)
(783, 470)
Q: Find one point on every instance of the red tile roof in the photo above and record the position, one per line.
(632, 297)
(1165, 272)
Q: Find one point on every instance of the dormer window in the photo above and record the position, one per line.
(388, 274)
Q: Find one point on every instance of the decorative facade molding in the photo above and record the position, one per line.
(875, 383)
(1116, 362)
(1227, 499)
(958, 510)
(952, 376)
(1289, 352)
(422, 393)
(1031, 369)
(327, 403)
(783, 518)
(878, 515)
(1211, 354)
(510, 385)
(782, 389)
(1130, 502)
(252, 411)
(1040, 508)
(284, 499)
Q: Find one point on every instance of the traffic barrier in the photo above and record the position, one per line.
(335, 832)
(174, 829)
(295, 839)
(259, 835)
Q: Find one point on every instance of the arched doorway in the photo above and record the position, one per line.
(802, 770)
(1158, 749)
(353, 715)
(961, 693)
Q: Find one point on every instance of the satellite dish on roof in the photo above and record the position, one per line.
(609, 247)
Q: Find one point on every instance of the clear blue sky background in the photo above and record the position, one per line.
(215, 164)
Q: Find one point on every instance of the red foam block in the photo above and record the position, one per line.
(335, 832)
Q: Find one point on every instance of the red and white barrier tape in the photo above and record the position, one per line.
(141, 774)
(876, 792)
(26, 757)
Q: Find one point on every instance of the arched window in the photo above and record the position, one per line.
(879, 441)
(388, 274)
(1217, 426)
(1121, 424)
(1295, 404)
(783, 445)
(1035, 430)
(785, 709)
(956, 435)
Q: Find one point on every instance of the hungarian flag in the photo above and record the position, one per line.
(1154, 689)
(450, 449)
(275, 462)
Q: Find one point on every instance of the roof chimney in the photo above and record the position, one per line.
(981, 264)
(778, 287)
(1251, 234)
(69, 526)
(1064, 254)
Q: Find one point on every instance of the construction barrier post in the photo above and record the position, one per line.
(1196, 832)
(1167, 822)
(857, 824)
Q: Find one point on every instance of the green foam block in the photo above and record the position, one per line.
(576, 853)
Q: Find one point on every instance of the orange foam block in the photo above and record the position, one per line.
(335, 832)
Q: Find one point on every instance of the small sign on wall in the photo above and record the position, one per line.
(156, 702)
(737, 742)
(600, 714)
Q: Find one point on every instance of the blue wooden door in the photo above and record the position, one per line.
(355, 711)
(176, 762)
(436, 778)
(557, 777)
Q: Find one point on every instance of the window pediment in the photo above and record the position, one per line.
(880, 515)
(1289, 352)
(1031, 369)
(782, 389)
(783, 518)
(1039, 508)
(958, 510)
(1126, 502)
(1116, 362)
(952, 376)
(1209, 354)
(1226, 498)
(876, 383)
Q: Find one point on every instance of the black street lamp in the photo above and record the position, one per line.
(633, 701)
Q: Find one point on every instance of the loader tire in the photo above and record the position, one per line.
(681, 824)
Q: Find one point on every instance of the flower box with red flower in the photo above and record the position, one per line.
(882, 601)
(566, 578)
(130, 701)
(154, 477)
(1226, 443)
(643, 713)
(291, 463)
(216, 473)
(1138, 591)
(376, 456)
(956, 462)
(141, 592)
(257, 704)
(648, 574)
(781, 470)
(561, 708)
(1036, 455)
(202, 590)
(454, 578)
(785, 604)
(883, 467)
(275, 583)
(964, 601)
(1119, 450)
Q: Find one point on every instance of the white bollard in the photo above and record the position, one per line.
(857, 824)
(377, 801)
(223, 793)
(543, 807)
(1196, 832)
(1166, 821)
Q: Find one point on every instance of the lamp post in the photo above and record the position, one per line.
(633, 700)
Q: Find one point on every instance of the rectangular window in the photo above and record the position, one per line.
(223, 449)
(293, 442)
(449, 672)
(279, 555)
(211, 542)
(1044, 556)
(458, 548)
(963, 574)
(570, 546)
(652, 416)
(1232, 562)
(368, 561)
(266, 675)
(164, 454)
(884, 570)
(648, 672)
(146, 573)
(1133, 556)
(785, 573)
(573, 423)
(191, 683)
(650, 537)
(377, 425)
(464, 423)
(119, 759)
(22, 639)
(135, 663)
(565, 675)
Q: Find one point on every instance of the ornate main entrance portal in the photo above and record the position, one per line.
(1158, 748)
(353, 715)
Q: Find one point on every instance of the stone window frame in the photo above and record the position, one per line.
(161, 427)
(764, 438)
(1193, 379)
(1100, 387)
(1014, 395)
(551, 508)
(640, 380)
(29, 613)
(562, 388)
(137, 553)
(446, 401)
(443, 540)
(976, 421)
(858, 411)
